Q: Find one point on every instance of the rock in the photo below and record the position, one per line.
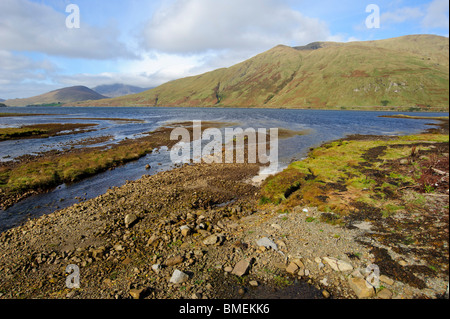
(299, 263)
(185, 231)
(254, 283)
(384, 294)
(98, 253)
(152, 240)
(147, 167)
(266, 242)
(178, 277)
(241, 268)
(324, 281)
(136, 293)
(228, 269)
(156, 268)
(211, 240)
(130, 219)
(338, 265)
(325, 294)
(175, 260)
(118, 247)
(386, 280)
(292, 268)
(361, 287)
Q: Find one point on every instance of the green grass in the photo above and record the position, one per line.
(342, 167)
(68, 168)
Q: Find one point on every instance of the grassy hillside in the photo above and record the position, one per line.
(116, 90)
(61, 96)
(410, 71)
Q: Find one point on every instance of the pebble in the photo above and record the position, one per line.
(361, 287)
(211, 240)
(387, 280)
(185, 231)
(338, 265)
(292, 268)
(384, 294)
(136, 293)
(179, 277)
(156, 268)
(267, 243)
(175, 260)
(130, 219)
(241, 268)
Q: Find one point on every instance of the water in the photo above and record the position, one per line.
(322, 126)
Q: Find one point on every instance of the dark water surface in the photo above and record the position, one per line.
(321, 125)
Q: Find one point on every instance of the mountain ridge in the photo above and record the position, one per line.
(409, 71)
(59, 96)
(118, 89)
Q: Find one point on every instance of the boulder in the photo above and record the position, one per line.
(361, 287)
(338, 265)
(179, 277)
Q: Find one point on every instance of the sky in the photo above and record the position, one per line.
(149, 42)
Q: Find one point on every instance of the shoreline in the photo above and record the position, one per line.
(204, 220)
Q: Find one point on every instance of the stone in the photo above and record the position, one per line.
(152, 240)
(241, 268)
(292, 268)
(211, 240)
(385, 279)
(185, 231)
(98, 253)
(266, 242)
(118, 247)
(254, 283)
(325, 294)
(361, 287)
(130, 219)
(338, 265)
(228, 269)
(136, 293)
(175, 260)
(299, 263)
(156, 268)
(179, 277)
(384, 294)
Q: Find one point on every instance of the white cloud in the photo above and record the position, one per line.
(437, 15)
(432, 15)
(401, 15)
(35, 27)
(192, 26)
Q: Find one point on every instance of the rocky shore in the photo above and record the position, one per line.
(193, 232)
(200, 231)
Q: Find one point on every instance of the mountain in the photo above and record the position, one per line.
(116, 90)
(2, 100)
(409, 71)
(61, 96)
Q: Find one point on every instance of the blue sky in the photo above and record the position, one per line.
(149, 42)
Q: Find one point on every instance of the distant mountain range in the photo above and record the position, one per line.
(76, 94)
(116, 90)
(409, 71)
(56, 97)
